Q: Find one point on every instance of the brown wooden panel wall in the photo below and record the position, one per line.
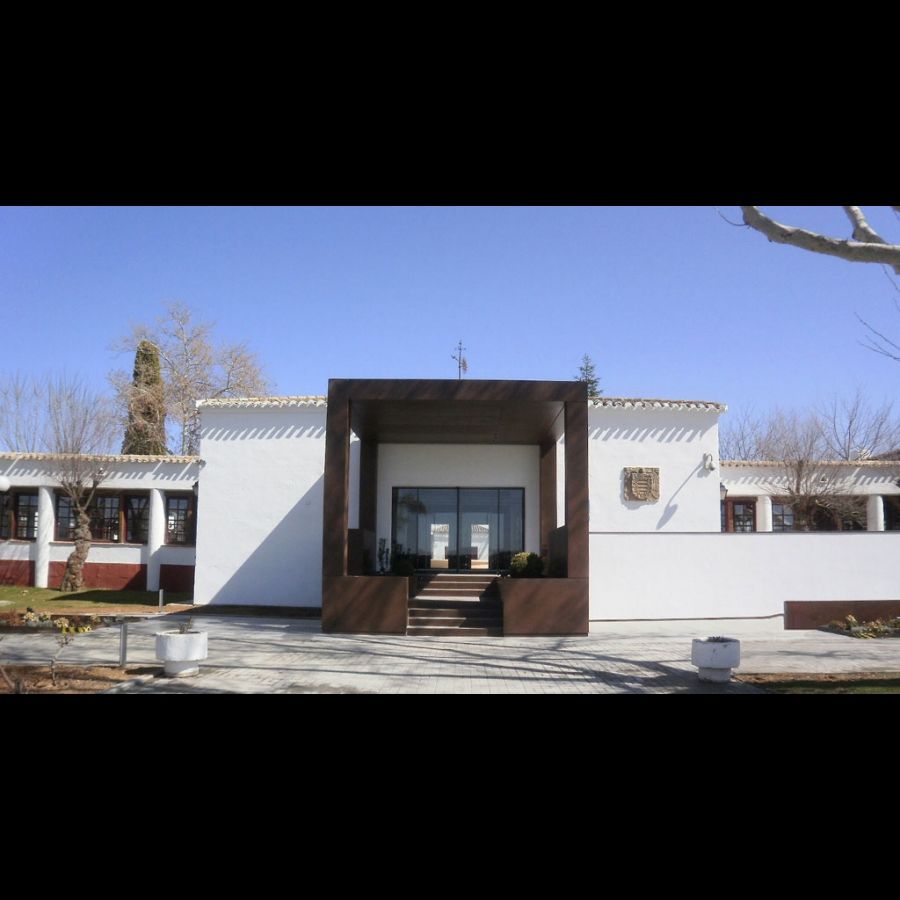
(548, 494)
(816, 613)
(373, 604)
(547, 606)
(576, 444)
(336, 486)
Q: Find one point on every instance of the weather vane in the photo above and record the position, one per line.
(462, 364)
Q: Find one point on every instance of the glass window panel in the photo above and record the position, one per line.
(437, 528)
(105, 518)
(65, 519)
(179, 520)
(511, 528)
(137, 519)
(26, 516)
(5, 513)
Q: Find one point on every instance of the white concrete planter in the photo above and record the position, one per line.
(181, 652)
(715, 659)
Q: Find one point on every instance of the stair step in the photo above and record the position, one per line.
(474, 614)
(451, 613)
(454, 622)
(430, 631)
(452, 603)
(455, 586)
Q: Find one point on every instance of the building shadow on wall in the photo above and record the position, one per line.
(280, 556)
(659, 434)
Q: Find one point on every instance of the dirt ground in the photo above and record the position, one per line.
(70, 679)
(829, 682)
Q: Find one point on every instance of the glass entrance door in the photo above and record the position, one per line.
(458, 529)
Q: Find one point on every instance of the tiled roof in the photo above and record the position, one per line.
(121, 458)
(319, 400)
(644, 403)
(775, 464)
(262, 402)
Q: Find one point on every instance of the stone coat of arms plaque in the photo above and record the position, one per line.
(641, 483)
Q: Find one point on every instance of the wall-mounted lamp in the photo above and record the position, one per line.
(723, 491)
(709, 462)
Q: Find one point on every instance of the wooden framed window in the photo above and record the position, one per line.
(180, 518)
(66, 519)
(891, 513)
(137, 518)
(18, 516)
(782, 516)
(739, 515)
(115, 518)
(104, 514)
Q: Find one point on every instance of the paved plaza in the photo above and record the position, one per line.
(250, 655)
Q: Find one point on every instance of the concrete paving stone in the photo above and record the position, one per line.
(261, 655)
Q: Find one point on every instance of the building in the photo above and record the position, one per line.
(300, 498)
(143, 522)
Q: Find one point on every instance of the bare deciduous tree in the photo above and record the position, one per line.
(22, 413)
(854, 429)
(66, 418)
(194, 367)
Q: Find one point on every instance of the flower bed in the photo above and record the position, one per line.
(874, 629)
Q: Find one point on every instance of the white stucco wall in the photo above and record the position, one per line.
(259, 536)
(684, 576)
(672, 440)
(460, 465)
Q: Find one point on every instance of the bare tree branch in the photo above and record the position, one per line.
(885, 345)
(862, 230)
(853, 250)
(723, 216)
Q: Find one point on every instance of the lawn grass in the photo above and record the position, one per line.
(838, 683)
(92, 601)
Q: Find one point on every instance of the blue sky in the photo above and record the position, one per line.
(669, 301)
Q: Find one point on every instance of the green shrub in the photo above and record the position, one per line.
(404, 567)
(526, 565)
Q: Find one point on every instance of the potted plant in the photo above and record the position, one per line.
(181, 650)
(715, 657)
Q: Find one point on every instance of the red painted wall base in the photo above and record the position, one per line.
(112, 576)
(17, 572)
(178, 579)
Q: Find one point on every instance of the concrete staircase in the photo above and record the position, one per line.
(456, 606)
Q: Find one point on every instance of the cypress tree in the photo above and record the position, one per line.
(588, 374)
(146, 431)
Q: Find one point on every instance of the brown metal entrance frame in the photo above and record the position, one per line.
(454, 412)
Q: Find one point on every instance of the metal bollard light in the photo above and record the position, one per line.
(123, 644)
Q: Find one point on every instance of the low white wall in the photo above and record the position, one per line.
(460, 465)
(259, 521)
(684, 576)
(124, 554)
(177, 556)
(17, 550)
(672, 440)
